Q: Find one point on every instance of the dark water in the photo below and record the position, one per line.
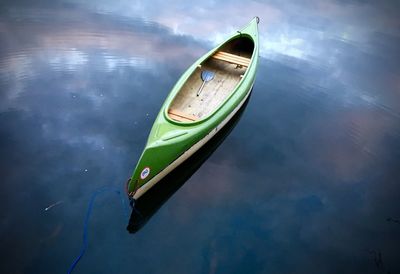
(307, 181)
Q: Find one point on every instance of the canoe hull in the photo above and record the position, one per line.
(172, 140)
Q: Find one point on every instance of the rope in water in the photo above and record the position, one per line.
(85, 241)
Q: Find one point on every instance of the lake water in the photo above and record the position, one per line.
(307, 181)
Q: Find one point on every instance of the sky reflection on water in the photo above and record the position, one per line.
(307, 182)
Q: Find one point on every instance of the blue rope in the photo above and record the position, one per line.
(86, 224)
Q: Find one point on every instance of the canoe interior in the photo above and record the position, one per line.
(187, 106)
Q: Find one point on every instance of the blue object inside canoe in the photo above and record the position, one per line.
(206, 76)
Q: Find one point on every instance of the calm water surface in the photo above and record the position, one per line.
(306, 182)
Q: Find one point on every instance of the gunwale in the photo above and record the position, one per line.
(170, 140)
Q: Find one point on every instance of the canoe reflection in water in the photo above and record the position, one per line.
(147, 205)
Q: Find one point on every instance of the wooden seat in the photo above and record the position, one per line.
(232, 58)
(180, 116)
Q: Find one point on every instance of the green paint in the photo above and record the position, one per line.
(169, 139)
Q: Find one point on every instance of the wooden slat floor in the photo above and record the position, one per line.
(227, 76)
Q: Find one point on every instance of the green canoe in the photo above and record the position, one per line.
(203, 100)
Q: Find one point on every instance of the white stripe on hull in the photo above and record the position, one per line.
(143, 189)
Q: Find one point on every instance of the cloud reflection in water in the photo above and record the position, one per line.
(305, 183)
